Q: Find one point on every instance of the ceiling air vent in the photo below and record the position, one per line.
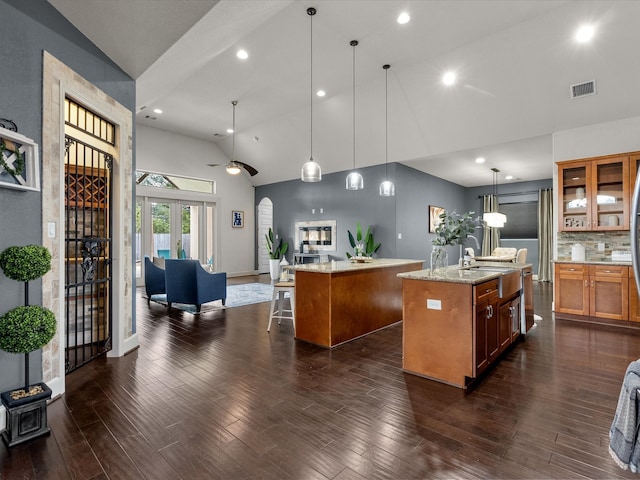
(583, 89)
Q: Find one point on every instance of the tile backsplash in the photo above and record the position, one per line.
(612, 241)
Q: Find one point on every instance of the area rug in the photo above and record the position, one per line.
(237, 295)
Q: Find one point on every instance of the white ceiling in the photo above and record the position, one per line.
(515, 61)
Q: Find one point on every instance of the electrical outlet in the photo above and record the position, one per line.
(601, 247)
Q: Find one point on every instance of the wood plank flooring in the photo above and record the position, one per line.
(217, 397)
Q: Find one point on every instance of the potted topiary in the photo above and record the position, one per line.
(275, 252)
(23, 330)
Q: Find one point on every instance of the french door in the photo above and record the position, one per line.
(173, 228)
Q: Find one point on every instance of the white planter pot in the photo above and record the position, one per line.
(274, 268)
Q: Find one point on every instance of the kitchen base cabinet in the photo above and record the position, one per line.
(571, 294)
(510, 315)
(609, 292)
(592, 291)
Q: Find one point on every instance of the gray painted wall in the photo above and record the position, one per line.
(28, 28)
(407, 213)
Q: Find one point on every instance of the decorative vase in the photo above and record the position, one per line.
(439, 258)
(274, 268)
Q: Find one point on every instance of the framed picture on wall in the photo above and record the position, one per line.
(434, 217)
(237, 218)
(19, 167)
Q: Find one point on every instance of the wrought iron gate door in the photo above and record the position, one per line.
(88, 252)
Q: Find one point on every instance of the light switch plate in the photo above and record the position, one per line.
(601, 247)
(51, 229)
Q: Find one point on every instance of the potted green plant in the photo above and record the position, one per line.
(23, 330)
(363, 246)
(276, 251)
(452, 229)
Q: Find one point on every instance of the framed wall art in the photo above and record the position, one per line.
(19, 166)
(434, 217)
(237, 219)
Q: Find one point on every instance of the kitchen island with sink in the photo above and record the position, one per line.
(459, 321)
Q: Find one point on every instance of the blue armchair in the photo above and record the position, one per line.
(187, 282)
(153, 279)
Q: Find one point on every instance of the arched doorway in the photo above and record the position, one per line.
(265, 222)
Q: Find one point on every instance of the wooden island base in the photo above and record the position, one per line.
(337, 302)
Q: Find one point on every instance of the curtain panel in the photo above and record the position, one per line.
(545, 234)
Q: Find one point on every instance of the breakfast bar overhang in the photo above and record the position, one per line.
(337, 302)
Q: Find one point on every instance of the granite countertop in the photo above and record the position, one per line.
(468, 275)
(593, 262)
(348, 266)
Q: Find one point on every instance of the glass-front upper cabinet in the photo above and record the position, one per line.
(594, 194)
(611, 185)
(574, 203)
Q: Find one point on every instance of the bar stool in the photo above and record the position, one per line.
(279, 289)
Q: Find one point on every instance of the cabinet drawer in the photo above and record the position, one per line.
(609, 270)
(485, 291)
(572, 268)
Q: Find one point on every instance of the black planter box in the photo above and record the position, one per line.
(26, 417)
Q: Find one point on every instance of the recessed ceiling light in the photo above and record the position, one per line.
(449, 78)
(157, 110)
(509, 177)
(584, 33)
(480, 160)
(255, 139)
(403, 18)
(229, 130)
(242, 54)
(321, 93)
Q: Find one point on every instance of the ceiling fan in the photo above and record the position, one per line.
(234, 167)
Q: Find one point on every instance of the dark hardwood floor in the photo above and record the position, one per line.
(216, 397)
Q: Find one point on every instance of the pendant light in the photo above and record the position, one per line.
(387, 188)
(494, 218)
(311, 170)
(354, 179)
(233, 168)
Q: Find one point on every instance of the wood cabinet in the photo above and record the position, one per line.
(634, 167)
(594, 194)
(485, 325)
(600, 291)
(609, 292)
(571, 294)
(510, 313)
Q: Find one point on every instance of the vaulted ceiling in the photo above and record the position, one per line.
(514, 60)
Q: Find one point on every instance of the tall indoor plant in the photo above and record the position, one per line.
(453, 229)
(275, 253)
(363, 244)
